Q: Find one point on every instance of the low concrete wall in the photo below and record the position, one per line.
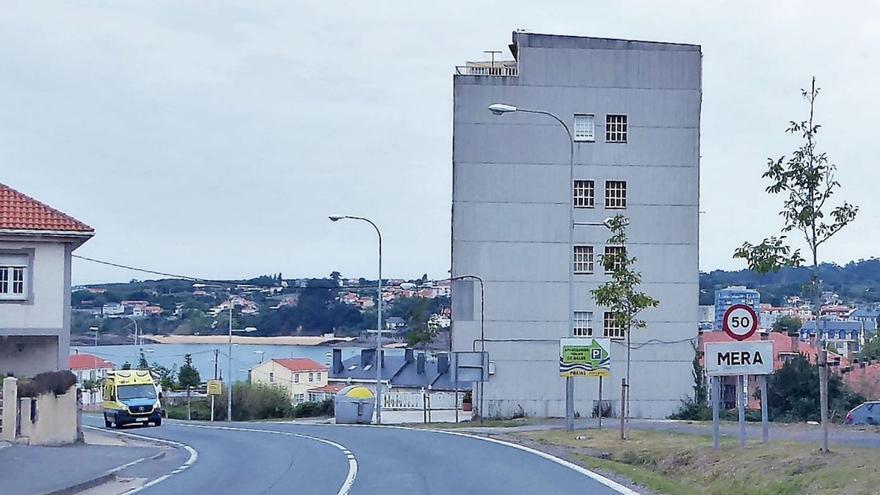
(50, 419)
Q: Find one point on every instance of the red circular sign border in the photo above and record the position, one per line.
(727, 329)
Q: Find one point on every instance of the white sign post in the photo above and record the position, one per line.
(739, 359)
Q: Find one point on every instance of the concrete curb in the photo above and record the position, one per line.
(104, 477)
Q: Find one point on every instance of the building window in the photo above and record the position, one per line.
(318, 376)
(583, 324)
(615, 194)
(584, 193)
(13, 276)
(615, 255)
(311, 377)
(271, 377)
(611, 328)
(299, 398)
(584, 127)
(583, 259)
(615, 128)
(296, 378)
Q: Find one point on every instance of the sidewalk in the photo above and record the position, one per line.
(27, 470)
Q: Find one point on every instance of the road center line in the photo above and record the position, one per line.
(193, 456)
(345, 489)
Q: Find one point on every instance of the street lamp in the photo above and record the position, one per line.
(231, 375)
(95, 329)
(336, 218)
(501, 109)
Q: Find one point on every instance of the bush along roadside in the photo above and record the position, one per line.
(253, 402)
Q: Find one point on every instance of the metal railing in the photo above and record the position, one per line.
(481, 70)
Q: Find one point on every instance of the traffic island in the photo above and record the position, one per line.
(687, 464)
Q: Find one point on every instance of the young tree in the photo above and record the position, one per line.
(188, 377)
(807, 178)
(787, 324)
(620, 294)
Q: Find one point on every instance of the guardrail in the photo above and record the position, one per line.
(495, 71)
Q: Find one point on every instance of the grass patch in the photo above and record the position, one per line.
(686, 464)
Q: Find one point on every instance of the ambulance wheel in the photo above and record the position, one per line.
(107, 423)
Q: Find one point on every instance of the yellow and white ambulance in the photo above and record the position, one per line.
(131, 397)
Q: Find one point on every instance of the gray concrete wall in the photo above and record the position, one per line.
(43, 320)
(510, 214)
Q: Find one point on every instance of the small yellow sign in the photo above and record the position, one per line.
(215, 387)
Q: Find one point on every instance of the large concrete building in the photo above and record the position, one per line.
(634, 111)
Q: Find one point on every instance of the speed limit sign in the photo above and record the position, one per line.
(740, 321)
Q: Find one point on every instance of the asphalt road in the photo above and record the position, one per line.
(269, 458)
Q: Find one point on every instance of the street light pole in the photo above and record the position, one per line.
(229, 368)
(336, 218)
(500, 109)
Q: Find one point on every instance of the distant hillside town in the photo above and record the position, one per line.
(270, 304)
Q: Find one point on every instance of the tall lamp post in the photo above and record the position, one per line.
(501, 109)
(482, 334)
(336, 218)
(229, 355)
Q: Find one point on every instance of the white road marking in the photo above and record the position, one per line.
(193, 457)
(622, 490)
(345, 489)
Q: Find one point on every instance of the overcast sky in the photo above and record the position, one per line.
(214, 138)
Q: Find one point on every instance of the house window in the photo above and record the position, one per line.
(13, 276)
(271, 377)
(611, 328)
(615, 255)
(299, 398)
(296, 378)
(583, 259)
(615, 194)
(584, 194)
(311, 377)
(318, 376)
(583, 324)
(615, 128)
(584, 127)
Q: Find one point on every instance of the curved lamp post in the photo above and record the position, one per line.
(336, 218)
(501, 109)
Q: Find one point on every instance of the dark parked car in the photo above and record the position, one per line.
(867, 413)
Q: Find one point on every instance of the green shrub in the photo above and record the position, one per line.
(56, 382)
(313, 409)
(692, 410)
(254, 401)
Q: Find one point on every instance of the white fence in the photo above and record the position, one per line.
(415, 401)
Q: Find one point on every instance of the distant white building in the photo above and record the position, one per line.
(112, 309)
(90, 370)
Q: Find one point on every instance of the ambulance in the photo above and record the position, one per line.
(131, 397)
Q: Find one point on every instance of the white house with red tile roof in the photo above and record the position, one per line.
(36, 244)
(296, 375)
(91, 368)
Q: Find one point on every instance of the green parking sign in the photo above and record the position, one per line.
(584, 357)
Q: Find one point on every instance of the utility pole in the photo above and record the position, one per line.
(229, 370)
(216, 356)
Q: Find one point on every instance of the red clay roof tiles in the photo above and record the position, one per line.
(21, 212)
